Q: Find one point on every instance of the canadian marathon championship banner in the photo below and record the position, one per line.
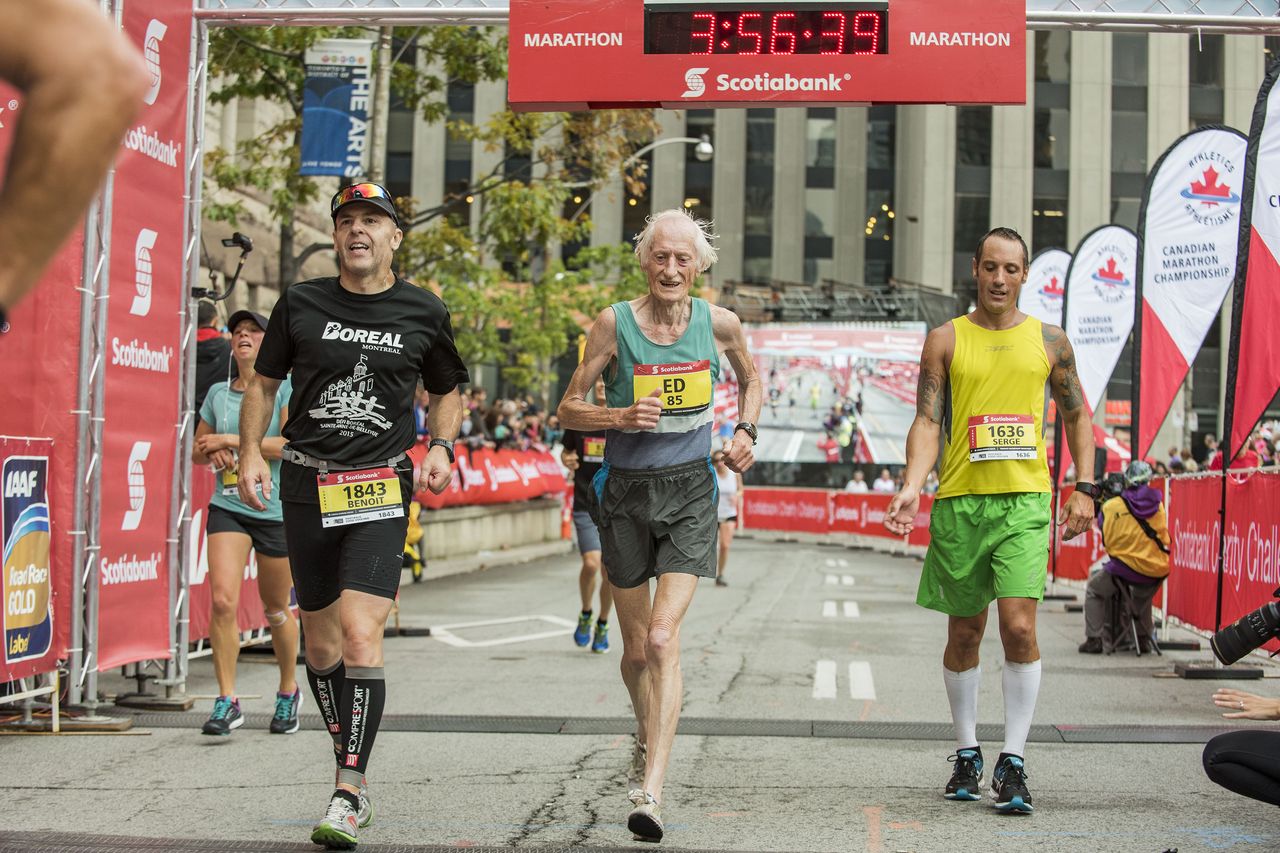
(143, 336)
(1046, 283)
(1188, 232)
(1099, 305)
(27, 583)
(1253, 373)
(335, 107)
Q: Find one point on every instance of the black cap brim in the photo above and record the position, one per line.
(244, 314)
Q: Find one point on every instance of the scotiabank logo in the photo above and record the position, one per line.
(142, 272)
(151, 53)
(693, 79)
(137, 485)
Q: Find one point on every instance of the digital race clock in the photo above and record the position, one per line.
(777, 29)
(696, 54)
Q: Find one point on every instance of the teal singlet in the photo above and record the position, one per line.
(683, 373)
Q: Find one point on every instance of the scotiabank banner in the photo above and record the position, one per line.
(41, 372)
(863, 515)
(1251, 564)
(142, 342)
(822, 511)
(493, 477)
(249, 614)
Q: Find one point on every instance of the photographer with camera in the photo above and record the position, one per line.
(1135, 535)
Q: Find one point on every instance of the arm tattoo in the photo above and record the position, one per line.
(1070, 395)
(929, 400)
(1050, 334)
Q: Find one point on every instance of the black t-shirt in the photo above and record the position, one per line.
(356, 360)
(590, 449)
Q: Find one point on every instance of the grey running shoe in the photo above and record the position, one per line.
(337, 830)
(639, 761)
(285, 721)
(364, 814)
(645, 820)
(226, 716)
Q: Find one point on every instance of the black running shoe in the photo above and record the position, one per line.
(1009, 786)
(966, 777)
(285, 721)
(226, 717)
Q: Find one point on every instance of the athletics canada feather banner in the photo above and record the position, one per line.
(1188, 229)
(1098, 308)
(1046, 283)
(335, 108)
(1253, 368)
(143, 339)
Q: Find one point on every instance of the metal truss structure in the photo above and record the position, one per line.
(1239, 17)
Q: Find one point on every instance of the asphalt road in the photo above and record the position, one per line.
(815, 720)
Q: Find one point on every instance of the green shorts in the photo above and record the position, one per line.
(657, 520)
(984, 547)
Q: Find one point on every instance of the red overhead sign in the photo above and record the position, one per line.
(597, 54)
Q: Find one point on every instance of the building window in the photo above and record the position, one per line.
(1207, 70)
(1048, 223)
(1128, 127)
(638, 206)
(973, 136)
(819, 194)
(757, 247)
(697, 174)
(1053, 57)
(1052, 143)
(881, 162)
(457, 153)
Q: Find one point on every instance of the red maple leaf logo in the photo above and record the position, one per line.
(1109, 272)
(1054, 288)
(1209, 185)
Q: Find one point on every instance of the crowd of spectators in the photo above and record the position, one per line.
(1258, 452)
(514, 424)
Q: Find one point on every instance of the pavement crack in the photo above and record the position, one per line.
(555, 809)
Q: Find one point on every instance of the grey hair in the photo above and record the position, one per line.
(705, 252)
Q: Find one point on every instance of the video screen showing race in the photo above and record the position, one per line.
(836, 392)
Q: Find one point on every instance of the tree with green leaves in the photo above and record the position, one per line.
(511, 305)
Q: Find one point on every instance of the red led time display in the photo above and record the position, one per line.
(755, 29)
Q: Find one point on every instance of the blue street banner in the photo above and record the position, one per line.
(335, 108)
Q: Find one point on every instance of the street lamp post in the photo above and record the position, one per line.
(702, 149)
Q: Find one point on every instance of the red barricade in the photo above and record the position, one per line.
(798, 510)
(487, 476)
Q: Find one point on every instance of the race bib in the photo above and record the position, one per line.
(593, 448)
(995, 437)
(230, 478)
(685, 389)
(350, 497)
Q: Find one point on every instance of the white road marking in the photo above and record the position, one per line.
(861, 686)
(830, 563)
(842, 562)
(829, 609)
(832, 580)
(846, 580)
(793, 446)
(824, 680)
(444, 633)
(851, 610)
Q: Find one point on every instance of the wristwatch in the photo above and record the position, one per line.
(1090, 489)
(749, 429)
(446, 444)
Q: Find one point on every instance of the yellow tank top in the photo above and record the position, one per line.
(994, 424)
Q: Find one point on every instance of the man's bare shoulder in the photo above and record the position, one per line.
(724, 322)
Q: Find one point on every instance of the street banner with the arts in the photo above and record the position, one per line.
(1188, 230)
(335, 108)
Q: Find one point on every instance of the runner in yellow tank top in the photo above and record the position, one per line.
(983, 390)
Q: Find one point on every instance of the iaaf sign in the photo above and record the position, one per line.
(599, 54)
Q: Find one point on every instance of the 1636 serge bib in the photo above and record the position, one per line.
(350, 497)
(994, 437)
(684, 388)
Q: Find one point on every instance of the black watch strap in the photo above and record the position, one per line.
(446, 444)
(1093, 490)
(749, 429)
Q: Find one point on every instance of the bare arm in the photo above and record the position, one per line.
(444, 420)
(926, 428)
(575, 412)
(255, 415)
(1077, 426)
(739, 456)
(78, 103)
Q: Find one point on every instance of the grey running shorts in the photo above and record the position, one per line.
(588, 536)
(657, 520)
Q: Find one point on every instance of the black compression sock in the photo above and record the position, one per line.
(363, 698)
(327, 687)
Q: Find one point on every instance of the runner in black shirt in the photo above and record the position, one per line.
(357, 345)
(583, 454)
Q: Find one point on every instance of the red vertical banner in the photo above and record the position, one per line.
(39, 396)
(143, 338)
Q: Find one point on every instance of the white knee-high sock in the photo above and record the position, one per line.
(1021, 684)
(962, 693)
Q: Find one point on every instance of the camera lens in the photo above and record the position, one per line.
(1246, 633)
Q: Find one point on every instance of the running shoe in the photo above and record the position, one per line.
(225, 717)
(600, 643)
(721, 582)
(364, 813)
(582, 635)
(645, 820)
(966, 776)
(639, 762)
(285, 721)
(337, 830)
(1009, 786)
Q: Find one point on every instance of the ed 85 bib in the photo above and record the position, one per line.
(684, 388)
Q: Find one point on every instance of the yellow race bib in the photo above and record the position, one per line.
(350, 497)
(593, 448)
(685, 388)
(996, 437)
